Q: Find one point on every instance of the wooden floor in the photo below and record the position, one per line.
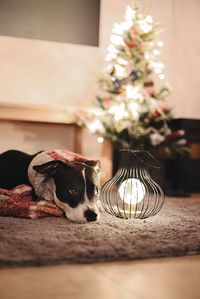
(164, 278)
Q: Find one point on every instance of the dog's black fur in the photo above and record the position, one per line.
(14, 168)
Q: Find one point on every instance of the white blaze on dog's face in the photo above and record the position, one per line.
(75, 188)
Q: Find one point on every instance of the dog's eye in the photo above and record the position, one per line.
(73, 191)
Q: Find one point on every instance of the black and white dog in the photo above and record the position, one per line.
(68, 179)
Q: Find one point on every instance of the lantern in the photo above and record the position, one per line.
(132, 192)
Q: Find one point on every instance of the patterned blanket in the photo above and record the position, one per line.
(19, 202)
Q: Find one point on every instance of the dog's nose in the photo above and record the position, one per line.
(90, 215)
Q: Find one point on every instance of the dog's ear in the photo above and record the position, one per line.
(50, 168)
(95, 164)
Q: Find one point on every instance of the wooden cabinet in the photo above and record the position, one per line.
(38, 117)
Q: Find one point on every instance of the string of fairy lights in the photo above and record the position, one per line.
(145, 25)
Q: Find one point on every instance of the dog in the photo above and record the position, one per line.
(63, 177)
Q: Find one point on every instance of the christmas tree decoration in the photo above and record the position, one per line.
(132, 192)
(132, 108)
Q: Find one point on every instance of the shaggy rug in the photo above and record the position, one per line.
(172, 232)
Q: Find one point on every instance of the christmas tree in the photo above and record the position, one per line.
(132, 109)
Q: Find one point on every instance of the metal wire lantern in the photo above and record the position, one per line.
(132, 193)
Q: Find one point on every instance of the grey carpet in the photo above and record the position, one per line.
(174, 231)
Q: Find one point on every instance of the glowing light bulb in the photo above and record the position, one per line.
(112, 49)
(158, 71)
(156, 64)
(156, 52)
(160, 43)
(130, 13)
(116, 40)
(120, 28)
(95, 125)
(132, 92)
(126, 25)
(119, 111)
(110, 56)
(134, 107)
(122, 61)
(117, 29)
(132, 191)
(147, 56)
(120, 71)
(149, 19)
(145, 26)
(161, 76)
(100, 139)
(108, 68)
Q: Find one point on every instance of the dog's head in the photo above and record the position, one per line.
(76, 187)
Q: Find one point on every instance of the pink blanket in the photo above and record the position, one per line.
(19, 202)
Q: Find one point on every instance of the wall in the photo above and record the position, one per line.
(33, 71)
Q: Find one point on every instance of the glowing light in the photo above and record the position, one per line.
(159, 64)
(132, 191)
(149, 19)
(130, 13)
(132, 92)
(181, 132)
(156, 52)
(134, 107)
(126, 25)
(100, 139)
(95, 126)
(122, 61)
(120, 71)
(145, 26)
(112, 53)
(119, 115)
(108, 68)
(161, 76)
(116, 40)
(160, 43)
(119, 111)
(112, 49)
(158, 71)
(182, 141)
(117, 29)
(110, 56)
(156, 65)
(156, 138)
(147, 56)
(120, 28)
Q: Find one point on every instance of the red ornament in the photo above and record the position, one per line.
(173, 136)
(106, 100)
(133, 43)
(154, 115)
(159, 111)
